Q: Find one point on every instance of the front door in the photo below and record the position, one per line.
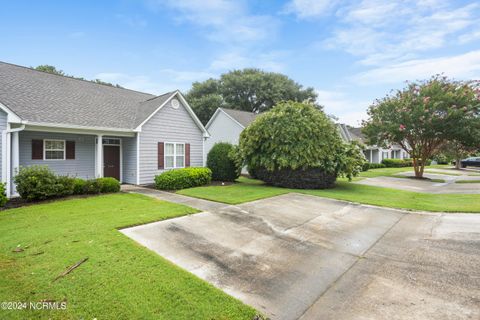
(111, 162)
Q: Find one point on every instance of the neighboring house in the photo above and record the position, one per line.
(373, 154)
(87, 130)
(226, 126)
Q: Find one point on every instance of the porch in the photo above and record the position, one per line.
(82, 154)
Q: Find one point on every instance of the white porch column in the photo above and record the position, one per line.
(370, 159)
(99, 161)
(8, 171)
(15, 158)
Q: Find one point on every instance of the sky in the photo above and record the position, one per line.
(350, 52)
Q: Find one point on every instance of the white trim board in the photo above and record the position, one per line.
(225, 113)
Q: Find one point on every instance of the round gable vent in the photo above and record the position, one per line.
(175, 104)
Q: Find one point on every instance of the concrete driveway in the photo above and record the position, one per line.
(298, 256)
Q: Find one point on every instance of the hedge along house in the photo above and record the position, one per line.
(373, 154)
(88, 130)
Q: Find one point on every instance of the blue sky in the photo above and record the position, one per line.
(351, 52)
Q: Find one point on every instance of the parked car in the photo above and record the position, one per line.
(471, 162)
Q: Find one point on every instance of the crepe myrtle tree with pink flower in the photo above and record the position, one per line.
(424, 116)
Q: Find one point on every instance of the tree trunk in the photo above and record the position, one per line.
(458, 163)
(418, 167)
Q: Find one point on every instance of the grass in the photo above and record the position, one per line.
(120, 279)
(393, 172)
(248, 190)
(467, 181)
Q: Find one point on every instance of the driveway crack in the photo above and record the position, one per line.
(331, 285)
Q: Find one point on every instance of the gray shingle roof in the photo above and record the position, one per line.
(356, 134)
(37, 96)
(243, 117)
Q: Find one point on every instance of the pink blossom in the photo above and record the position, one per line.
(402, 127)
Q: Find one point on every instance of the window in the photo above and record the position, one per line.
(54, 149)
(111, 141)
(174, 155)
(385, 154)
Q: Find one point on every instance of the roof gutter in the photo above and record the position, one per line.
(21, 128)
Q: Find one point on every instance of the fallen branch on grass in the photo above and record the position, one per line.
(70, 269)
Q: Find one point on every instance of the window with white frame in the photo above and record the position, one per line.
(54, 149)
(174, 155)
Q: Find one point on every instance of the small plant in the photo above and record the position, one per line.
(183, 178)
(65, 186)
(367, 166)
(92, 187)
(108, 185)
(79, 186)
(3, 195)
(36, 183)
(221, 161)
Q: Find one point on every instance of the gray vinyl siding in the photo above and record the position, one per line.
(168, 125)
(129, 150)
(83, 166)
(222, 129)
(3, 126)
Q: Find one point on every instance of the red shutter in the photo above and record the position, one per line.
(187, 154)
(70, 150)
(161, 154)
(37, 149)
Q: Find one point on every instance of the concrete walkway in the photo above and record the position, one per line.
(200, 204)
(425, 186)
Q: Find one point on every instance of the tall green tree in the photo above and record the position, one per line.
(424, 116)
(53, 70)
(50, 69)
(251, 90)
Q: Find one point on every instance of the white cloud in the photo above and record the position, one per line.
(239, 59)
(167, 80)
(306, 9)
(380, 32)
(463, 66)
(342, 106)
(225, 21)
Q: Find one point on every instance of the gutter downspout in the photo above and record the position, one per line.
(10, 146)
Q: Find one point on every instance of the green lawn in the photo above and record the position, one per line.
(393, 172)
(248, 190)
(467, 181)
(120, 279)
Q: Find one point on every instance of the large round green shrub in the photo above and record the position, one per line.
(220, 161)
(296, 145)
(37, 183)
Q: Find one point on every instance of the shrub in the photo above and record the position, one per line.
(79, 186)
(92, 187)
(36, 183)
(395, 163)
(368, 166)
(312, 178)
(183, 178)
(221, 161)
(294, 139)
(65, 186)
(3, 195)
(108, 185)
